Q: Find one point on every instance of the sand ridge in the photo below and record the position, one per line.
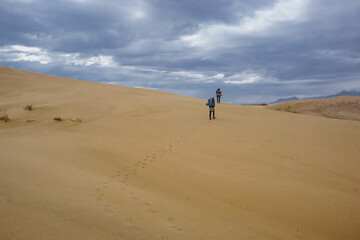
(347, 108)
(144, 164)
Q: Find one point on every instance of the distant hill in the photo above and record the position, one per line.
(286, 99)
(340, 94)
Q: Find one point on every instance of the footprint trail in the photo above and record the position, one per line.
(123, 176)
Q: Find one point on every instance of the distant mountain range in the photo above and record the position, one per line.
(340, 94)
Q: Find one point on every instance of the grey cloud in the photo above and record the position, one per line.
(316, 53)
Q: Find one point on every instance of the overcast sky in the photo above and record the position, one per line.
(254, 50)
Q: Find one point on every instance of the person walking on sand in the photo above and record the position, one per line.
(218, 95)
(211, 104)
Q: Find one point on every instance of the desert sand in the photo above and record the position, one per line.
(347, 107)
(127, 163)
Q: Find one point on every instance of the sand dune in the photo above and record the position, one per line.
(338, 107)
(144, 164)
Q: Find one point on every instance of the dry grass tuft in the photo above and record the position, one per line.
(4, 118)
(59, 119)
(28, 108)
(289, 109)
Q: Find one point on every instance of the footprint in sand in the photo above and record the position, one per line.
(298, 233)
(107, 208)
(100, 197)
(173, 226)
(176, 228)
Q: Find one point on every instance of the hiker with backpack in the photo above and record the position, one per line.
(211, 104)
(218, 95)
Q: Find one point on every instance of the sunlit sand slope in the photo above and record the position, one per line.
(128, 163)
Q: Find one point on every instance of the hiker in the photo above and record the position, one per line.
(211, 104)
(218, 95)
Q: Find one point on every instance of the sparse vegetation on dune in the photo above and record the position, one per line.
(347, 107)
(59, 119)
(28, 108)
(4, 118)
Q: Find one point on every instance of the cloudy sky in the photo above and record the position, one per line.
(254, 50)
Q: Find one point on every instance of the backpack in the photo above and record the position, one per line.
(211, 102)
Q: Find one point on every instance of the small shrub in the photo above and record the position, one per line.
(58, 119)
(5, 118)
(28, 107)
